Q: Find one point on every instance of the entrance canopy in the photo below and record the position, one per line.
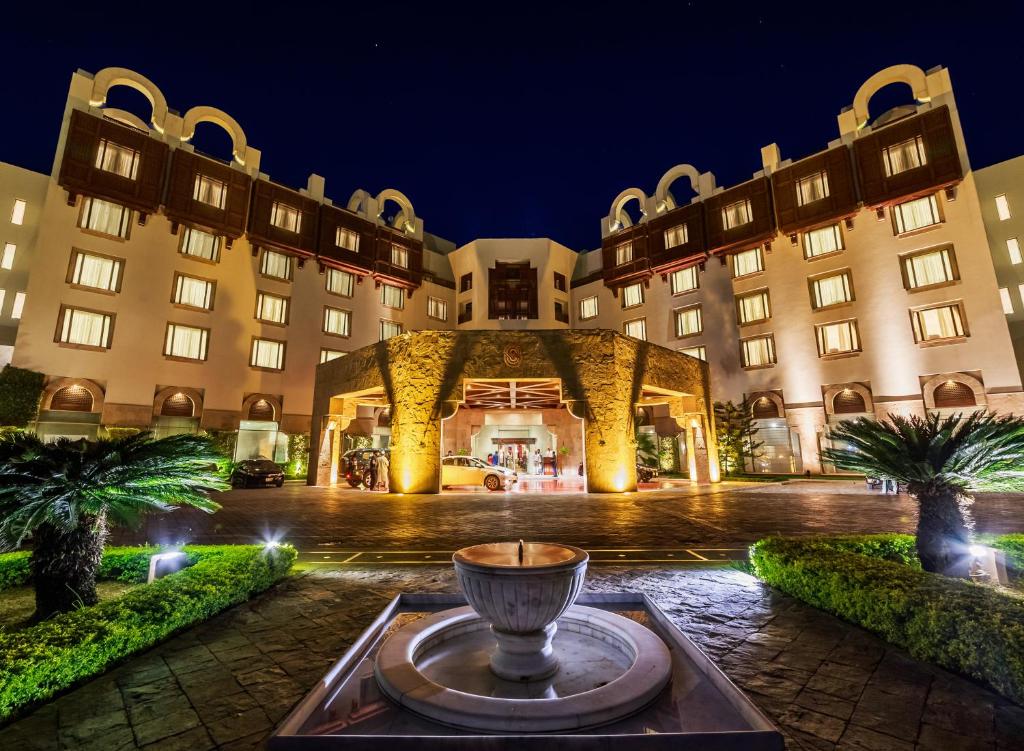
(425, 377)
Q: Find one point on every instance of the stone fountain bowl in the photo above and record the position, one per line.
(521, 597)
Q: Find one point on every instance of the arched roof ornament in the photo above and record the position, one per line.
(664, 200)
(911, 75)
(359, 202)
(406, 218)
(204, 114)
(617, 217)
(108, 78)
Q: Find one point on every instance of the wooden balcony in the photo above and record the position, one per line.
(638, 268)
(409, 276)
(512, 291)
(760, 228)
(664, 260)
(182, 205)
(840, 203)
(359, 261)
(264, 233)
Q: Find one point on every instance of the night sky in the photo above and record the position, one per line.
(512, 119)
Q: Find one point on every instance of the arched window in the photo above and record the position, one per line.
(954, 394)
(764, 409)
(178, 405)
(384, 418)
(72, 399)
(261, 410)
(848, 402)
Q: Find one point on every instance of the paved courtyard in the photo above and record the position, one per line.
(228, 682)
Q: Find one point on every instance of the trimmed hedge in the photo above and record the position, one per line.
(1013, 547)
(972, 629)
(42, 660)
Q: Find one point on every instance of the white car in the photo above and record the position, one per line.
(468, 470)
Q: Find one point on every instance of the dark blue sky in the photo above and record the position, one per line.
(501, 119)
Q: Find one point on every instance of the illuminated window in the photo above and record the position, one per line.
(193, 292)
(267, 353)
(588, 308)
(82, 327)
(18, 212)
(105, 217)
(904, 156)
(684, 280)
(347, 239)
(753, 307)
(337, 321)
(399, 256)
(633, 295)
(18, 306)
(675, 236)
(7, 260)
(120, 160)
(921, 212)
(437, 308)
(623, 253)
(1002, 208)
(341, 282)
(389, 329)
(195, 242)
(3, 296)
(276, 265)
(748, 262)
(326, 355)
(285, 217)
(271, 308)
(929, 268)
(831, 290)
(757, 351)
(811, 188)
(938, 323)
(95, 272)
(837, 338)
(737, 214)
(1012, 248)
(1004, 296)
(822, 241)
(392, 297)
(210, 191)
(637, 328)
(689, 321)
(700, 352)
(186, 342)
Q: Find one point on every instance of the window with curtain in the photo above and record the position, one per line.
(347, 239)
(18, 212)
(753, 307)
(700, 352)
(928, 268)
(187, 342)
(276, 265)
(1004, 297)
(1002, 208)
(588, 307)
(389, 329)
(337, 321)
(811, 188)
(18, 306)
(210, 191)
(105, 217)
(392, 297)
(97, 272)
(437, 308)
(271, 308)
(837, 338)
(267, 353)
(677, 235)
(831, 290)
(340, 282)
(916, 214)
(623, 253)
(636, 328)
(7, 260)
(326, 355)
(689, 321)
(633, 295)
(684, 280)
(285, 217)
(121, 160)
(758, 351)
(939, 322)
(399, 256)
(1012, 249)
(195, 242)
(747, 262)
(822, 241)
(196, 293)
(737, 214)
(85, 327)
(904, 156)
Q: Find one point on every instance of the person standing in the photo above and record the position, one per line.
(384, 479)
(374, 468)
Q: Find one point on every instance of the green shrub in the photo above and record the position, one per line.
(20, 390)
(975, 630)
(1013, 547)
(14, 569)
(40, 661)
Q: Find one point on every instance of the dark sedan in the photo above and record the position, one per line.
(258, 473)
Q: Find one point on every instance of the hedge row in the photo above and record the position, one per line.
(127, 564)
(40, 661)
(975, 630)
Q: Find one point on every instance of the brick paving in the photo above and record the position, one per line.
(226, 683)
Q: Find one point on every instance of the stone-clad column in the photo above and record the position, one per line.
(608, 430)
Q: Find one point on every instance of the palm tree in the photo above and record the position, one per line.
(939, 460)
(66, 493)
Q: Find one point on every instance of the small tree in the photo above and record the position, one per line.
(20, 390)
(736, 435)
(66, 493)
(647, 448)
(940, 460)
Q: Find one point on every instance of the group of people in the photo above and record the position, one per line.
(515, 456)
(377, 466)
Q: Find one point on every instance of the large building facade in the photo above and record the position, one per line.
(174, 291)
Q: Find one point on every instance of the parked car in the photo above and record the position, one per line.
(259, 472)
(355, 466)
(645, 473)
(468, 470)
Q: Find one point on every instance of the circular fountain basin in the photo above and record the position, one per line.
(438, 667)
